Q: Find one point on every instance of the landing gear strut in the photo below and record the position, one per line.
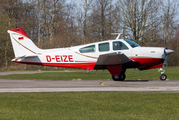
(120, 77)
(163, 76)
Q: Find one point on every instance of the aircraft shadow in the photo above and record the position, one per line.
(137, 80)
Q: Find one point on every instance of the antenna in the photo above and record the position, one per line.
(118, 35)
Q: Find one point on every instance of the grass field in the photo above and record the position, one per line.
(131, 74)
(89, 106)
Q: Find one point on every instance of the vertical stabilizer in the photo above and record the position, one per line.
(22, 44)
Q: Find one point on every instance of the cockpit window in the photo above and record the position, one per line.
(87, 49)
(117, 45)
(132, 43)
(103, 47)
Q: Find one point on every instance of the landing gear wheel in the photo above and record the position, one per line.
(163, 77)
(120, 77)
(115, 78)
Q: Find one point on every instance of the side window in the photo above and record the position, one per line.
(87, 49)
(117, 45)
(103, 47)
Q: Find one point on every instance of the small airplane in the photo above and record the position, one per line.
(114, 55)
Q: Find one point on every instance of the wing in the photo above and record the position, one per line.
(113, 62)
(113, 59)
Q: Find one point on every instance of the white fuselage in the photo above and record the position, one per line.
(66, 57)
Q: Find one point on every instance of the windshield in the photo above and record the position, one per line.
(131, 43)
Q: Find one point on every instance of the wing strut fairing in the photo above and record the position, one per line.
(114, 69)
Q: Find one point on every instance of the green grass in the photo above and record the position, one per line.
(131, 74)
(89, 106)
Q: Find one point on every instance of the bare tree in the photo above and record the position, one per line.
(49, 13)
(5, 47)
(138, 18)
(57, 7)
(40, 21)
(103, 10)
(84, 15)
(99, 21)
(169, 8)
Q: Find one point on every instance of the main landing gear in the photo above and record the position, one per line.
(163, 76)
(120, 77)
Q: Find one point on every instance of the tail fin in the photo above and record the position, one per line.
(22, 44)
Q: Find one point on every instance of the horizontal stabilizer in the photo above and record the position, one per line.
(25, 56)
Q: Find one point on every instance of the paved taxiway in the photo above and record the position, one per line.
(14, 85)
(9, 85)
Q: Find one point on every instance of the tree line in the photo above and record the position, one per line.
(64, 23)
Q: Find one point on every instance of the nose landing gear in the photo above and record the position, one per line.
(163, 76)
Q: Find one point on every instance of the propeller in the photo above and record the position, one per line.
(167, 52)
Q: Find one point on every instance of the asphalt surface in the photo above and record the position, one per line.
(14, 85)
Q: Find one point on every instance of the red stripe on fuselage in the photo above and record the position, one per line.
(88, 65)
(146, 63)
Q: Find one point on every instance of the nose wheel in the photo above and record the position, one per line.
(163, 76)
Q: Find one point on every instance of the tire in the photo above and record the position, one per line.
(163, 77)
(115, 78)
(120, 77)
